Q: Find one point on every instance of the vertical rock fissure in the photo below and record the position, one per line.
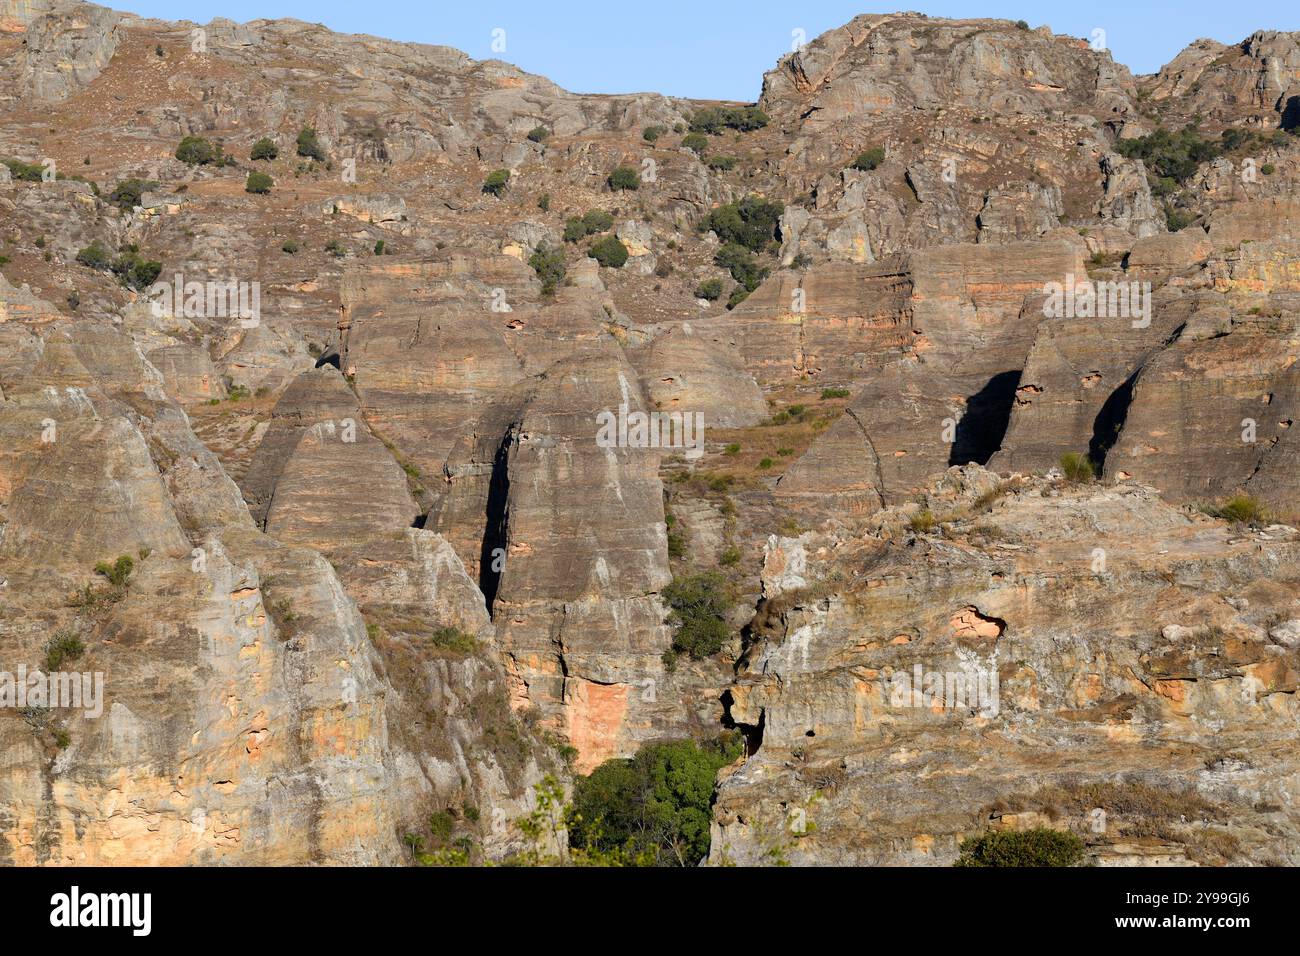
(492, 549)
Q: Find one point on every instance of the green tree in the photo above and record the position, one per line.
(95, 256)
(744, 268)
(264, 148)
(696, 142)
(538, 133)
(126, 194)
(549, 265)
(657, 804)
(197, 151)
(309, 146)
(869, 159)
(496, 182)
(609, 252)
(752, 222)
(710, 289)
(259, 183)
(624, 178)
(699, 606)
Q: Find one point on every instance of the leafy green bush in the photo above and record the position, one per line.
(1077, 468)
(549, 265)
(657, 804)
(290, 246)
(544, 202)
(722, 163)
(309, 146)
(835, 393)
(710, 289)
(714, 119)
(63, 646)
(27, 172)
(652, 133)
(496, 182)
(752, 222)
(1177, 155)
(264, 148)
(592, 222)
(336, 248)
(95, 256)
(126, 194)
(258, 183)
(624, 178)
(1241, 509)
(696, 142)
(744, 268)
(134, 270)
(609, 252)
(117, 573)
(538, 133)
(198, 151)
(699, 605)
(738, 295)
(1037, 847)
(869, 159)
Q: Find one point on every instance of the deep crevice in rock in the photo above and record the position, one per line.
(494, 529)
(1108, 424)
(982, 428)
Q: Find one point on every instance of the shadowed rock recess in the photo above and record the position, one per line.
(962, 366)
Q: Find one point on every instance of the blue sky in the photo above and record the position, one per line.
(715, 50)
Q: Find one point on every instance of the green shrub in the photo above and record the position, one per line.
(722, 162)
(63, 646)
(496, 182)
(538, 133)
(729, 556)
(1037, 847)
(765, 463)
(652, 133)
(126, 194)
(544, 202)
(699, 604)
(1077, 468)
(26, 172)
(1177, 219)
(835, 393)
(1268, 169)
(869, 159)
(258, 183)
(738, 295)
(1241, 509)
(714, 119)
(135, 271)
(609, 252)
(624, 178)
(732, 450)
(309, 146)
(696, 142)
(744, 268)
(710, 289)
(197, 151)
(1022, 25)
(335, 248)
(752, 222)
(549, 265)
(117, 573)
(656, 805)
(95, 256)
(922, 522)
(264, 148)
(453, 639)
